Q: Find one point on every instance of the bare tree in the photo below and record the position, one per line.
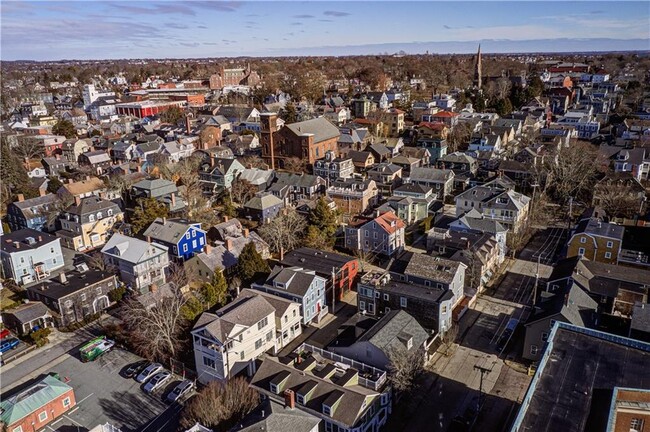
(573, 171)
(96, 261)
(617, 199)
(28, 149)
(503, 87)
(295, 165)
(284, 232)
(156, 332)
(405, 366)
(252, 161)
(220, 406)
(177, 275)
(458, 138)
(242, 190)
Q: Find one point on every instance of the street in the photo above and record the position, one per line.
(473, 371)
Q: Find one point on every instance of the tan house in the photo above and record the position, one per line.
(82, 189)
(353, 196)
(437, 130)
(362, 160)
(596, 241)
(396, 121)
(88, 223)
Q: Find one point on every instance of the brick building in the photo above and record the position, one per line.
(233, 77)
(307, 140)
(147, 108)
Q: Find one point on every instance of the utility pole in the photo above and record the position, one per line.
(482, 370)
(333, 290)
(570, 212)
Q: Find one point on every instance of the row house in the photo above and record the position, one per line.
(228, 342)
(345, 394)
(291, 188)
(142, 265)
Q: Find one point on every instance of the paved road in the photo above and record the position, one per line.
(22, 369)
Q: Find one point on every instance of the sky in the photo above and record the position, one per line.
(54, 30)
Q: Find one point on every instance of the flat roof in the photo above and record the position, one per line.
(573, 387)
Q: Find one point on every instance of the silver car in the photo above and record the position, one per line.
(157, 381)
(148, 372)
(181, 389)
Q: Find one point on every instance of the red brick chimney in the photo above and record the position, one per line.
(225, 218)
(42, 192)
(188, 125)
(228, 244)
(77, 200)
(246, 232)
(289, 399)
(173, 200)
(21, 197)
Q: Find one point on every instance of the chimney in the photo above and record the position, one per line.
(21, 197)
(42, 192)
(164, 220)
(225, 218)
(289, 399)
(17, 245)
(228, 244)
(40, 238)
(173, 200)
(246, 232)
(62, 278)
(153, 288)
(207, 249)
(139, 168)
(212, 161)
(88, 177)
(70, 181)
(77, 200)
(566, 299)
(102, 195)
(188, 126)
(148, 239)
(58, 157)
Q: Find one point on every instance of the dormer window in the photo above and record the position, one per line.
(327, 410)
(91, 218)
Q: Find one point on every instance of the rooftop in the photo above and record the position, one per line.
(25, 239)
(322, 262)
(31, 399)
(74, 281)
(572, 388)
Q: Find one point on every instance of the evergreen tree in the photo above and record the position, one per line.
(323, 223)
(172, 115)
(54, 184)
(216, 291)
(14, 179)
(146, 212)
(250, 264)
(65, 128)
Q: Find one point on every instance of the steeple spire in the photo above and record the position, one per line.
(478, 81)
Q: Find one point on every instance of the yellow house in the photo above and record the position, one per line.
(87, 224)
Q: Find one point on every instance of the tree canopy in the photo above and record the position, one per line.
(250, 264)
(65, 128)
(146, 212)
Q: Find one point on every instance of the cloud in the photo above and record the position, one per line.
(251, 22)
(166, 8)
(223, 6)
(190, 44)
(296, 23)
(202, 27)
(447, 27)
(210, 43)
(336, 13)
(326, 20)
(597, 12)
(177, 26)
(305, 16)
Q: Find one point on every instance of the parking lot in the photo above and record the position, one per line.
(104, 395)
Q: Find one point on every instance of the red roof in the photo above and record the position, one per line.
(390, 222)
(446, 114)
(433, 126)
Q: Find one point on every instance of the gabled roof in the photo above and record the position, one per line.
(169, 230)
(393, 331)
(430, 174)
(263, 202)
(314, 259)
(574, 305)
(272, 416)
(35, 206)
(426, 267)
(595, 227)
(389, 222)
(84, 186)
(320, 127)
(98, 156)
(296, 280)
(131, 249)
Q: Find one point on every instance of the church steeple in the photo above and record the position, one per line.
(478, 81)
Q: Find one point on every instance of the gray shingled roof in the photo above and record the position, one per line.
(393, 330)
(168, 230)
(272, 416)
(263, 202)
(430, 174)
(296, 280)
(29, 312)
(245, 311)
(131, 249)
(320, 127)
(431, 268)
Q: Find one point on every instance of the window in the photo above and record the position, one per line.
(241, 355)
(583, 240)
(301, 399)
(184, 248)
(258, 344)
(98, 290)
(193, 233)
(610, 244)
(402, 301)
(42, 416)
(386, 310)
(51, 250)
(581, 251)
(636, 425)
(386, 297)
(193, 244)
(187, 235)
(444, 309)
(207, 361)
(377, 294)
(262, 323)
(274, 388)
(533, 349)
(269, 336)
(99, 215)
(328, 427)
(83, 296)
(66, 402)
(327, 410)
(608, 254)
(91, 218)
(362, 305)
(201, 241)
(110, 212)
(544, 337)
(18, 429)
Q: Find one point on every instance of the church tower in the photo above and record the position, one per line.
(477, 71)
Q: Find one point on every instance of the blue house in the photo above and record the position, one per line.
(298, 285)
(182, 237)
(32, 213)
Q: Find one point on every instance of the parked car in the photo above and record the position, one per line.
(148, 372)
(181, 389)
(4, 333)
(8, 344)
(157, 381)
(507, 334)
(135, 368)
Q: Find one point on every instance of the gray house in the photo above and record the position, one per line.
(440, 180)
(76, 295)
(141, 264)
(395, 331)
(301, 286)
(28, 255)
(263, 207)
(573, 306)
(27, 317)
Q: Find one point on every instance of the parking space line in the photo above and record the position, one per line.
(48, 426)
(73, 421)
(84, 399)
